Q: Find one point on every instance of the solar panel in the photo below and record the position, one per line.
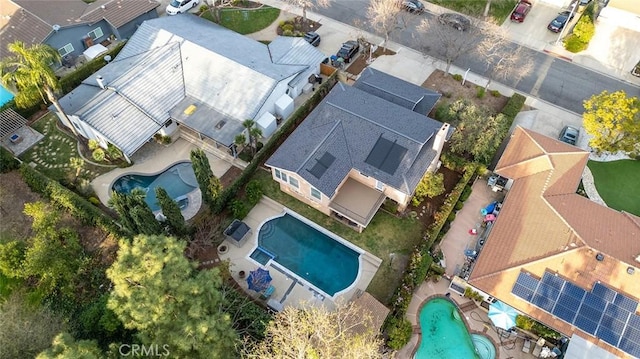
(568, 301)
(617, 312)
(553, 281)
(591, 313)
(630, 347)
(625, 302)
(548, 292)
(573, 290)
(386, 155)
(527, 281)
(322, 165)
(594, 301)
(634, 321)
(586, 324)
(632, 334)
(522, 292)
(608, 336)
(327, 159)
(567, 314)
(543, 302)
(603, 292)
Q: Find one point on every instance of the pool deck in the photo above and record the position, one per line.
(155, 160)
(289, 290)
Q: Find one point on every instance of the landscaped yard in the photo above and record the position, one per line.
(246, 21)
(385, 235)
(617, 183)
(499, 11)
(52, 155)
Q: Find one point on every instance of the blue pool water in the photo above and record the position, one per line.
(5, 95)
(178, 180)
(445, 335)
(309, 253)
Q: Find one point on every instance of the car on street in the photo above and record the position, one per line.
(180, 6)
(569, 135)
(412, 6)
(521, 10)
(348, 51)
(456, 21)
(557, 24)
(313, 38)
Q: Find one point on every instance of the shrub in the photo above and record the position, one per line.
(399, 332)
(239, 209)
(513, 106)
(93, 144)
(457, 77)
(254, 192)
(98, 154)
(574, 44)
(480, 91)
(466, 192)
(451, 217)
(459, 205)
(495, 93)
(7, 161)
(442, 113)
(390, 205)
(287, 33)
(582, 33)
(95, 201)
(288, 27)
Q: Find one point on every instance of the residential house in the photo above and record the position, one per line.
(184, 75)
(71, 26)
(361, 145)
(558, 257)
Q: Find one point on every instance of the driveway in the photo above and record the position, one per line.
(533, 31)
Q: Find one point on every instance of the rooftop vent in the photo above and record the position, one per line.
(101, 83)
(631, 270)
(56, 27)
(599, 257)
(220, 124)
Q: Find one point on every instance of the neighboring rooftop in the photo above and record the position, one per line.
(544, 226)
(353, 129)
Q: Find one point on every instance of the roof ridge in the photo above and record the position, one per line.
(392, 93)
(537, 157)
(563, 219)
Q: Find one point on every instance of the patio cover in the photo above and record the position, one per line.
(10, 122)
(357, 201)
(580, 348)
(94, 51)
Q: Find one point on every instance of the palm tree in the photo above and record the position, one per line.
(28, 72)
(254, 134)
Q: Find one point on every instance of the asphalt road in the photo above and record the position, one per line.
(554, 80)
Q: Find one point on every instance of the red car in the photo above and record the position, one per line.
(521, 11)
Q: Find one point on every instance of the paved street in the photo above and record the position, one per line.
(557, 81)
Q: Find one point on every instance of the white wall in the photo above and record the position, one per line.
(278, 91)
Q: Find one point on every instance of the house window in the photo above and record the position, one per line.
(96, 33)
(277, 173)
(66, 50)
(379, 185)
(294, 182)
(284, 177)
(316, 194)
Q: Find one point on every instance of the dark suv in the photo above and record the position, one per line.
(349, 50)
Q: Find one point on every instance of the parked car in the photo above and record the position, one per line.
(636, 70)
(557, 24)
(181, 6)
(520, 12)
(456, 21)
(313, 38)
(569, 135)
(349, 50)
(412, 6)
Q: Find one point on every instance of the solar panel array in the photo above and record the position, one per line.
(603, 312)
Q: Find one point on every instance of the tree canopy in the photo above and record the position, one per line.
(431, 185)
(613, 121)
(65, 346)
(209, 184)
(317, 332)
(158, 292)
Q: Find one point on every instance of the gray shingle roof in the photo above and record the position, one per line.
(400, 92)
(347, 124)
(295, 50)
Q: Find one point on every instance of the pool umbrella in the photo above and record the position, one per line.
(259, 279)
(502, 315)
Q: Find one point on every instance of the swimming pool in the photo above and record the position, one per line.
(445, 335)
(5, 95)
(312, 253)
(178, 180)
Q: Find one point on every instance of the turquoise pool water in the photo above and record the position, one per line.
(178, 180)
(5, 95)
(311, 254)
(445, 335)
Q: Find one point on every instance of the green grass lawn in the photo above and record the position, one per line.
(385, 234)
(246, 21)
(618, 183)
(499, 11)
(53, 153)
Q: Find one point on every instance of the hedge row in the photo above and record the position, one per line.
(421, 260)
(7, 161)
(62, 197)
(583, 32)
(513, 106)
(276, 140)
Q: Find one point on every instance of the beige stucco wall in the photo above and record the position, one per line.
(303, 192)
(390, 192)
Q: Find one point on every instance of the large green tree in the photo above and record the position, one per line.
(254, 134)
(209, 184)
(134, 212)
(65, 346)
(158, 292)
(431, 185)
(171, 211)
(28, 70)
(613, 121)
(317, 332)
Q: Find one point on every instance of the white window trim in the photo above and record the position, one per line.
(277, 173)
(314, 197)
(93, 34)
(284, 178)
(66, 50)
(294, 179)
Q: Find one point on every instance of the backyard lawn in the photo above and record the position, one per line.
(499, 10)
(618, 183)
(385, 235)
(246, 21)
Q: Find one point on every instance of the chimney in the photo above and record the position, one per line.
(441, 137)
(101, 83)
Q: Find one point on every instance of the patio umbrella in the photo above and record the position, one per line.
(259, 279)
(502, 315)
